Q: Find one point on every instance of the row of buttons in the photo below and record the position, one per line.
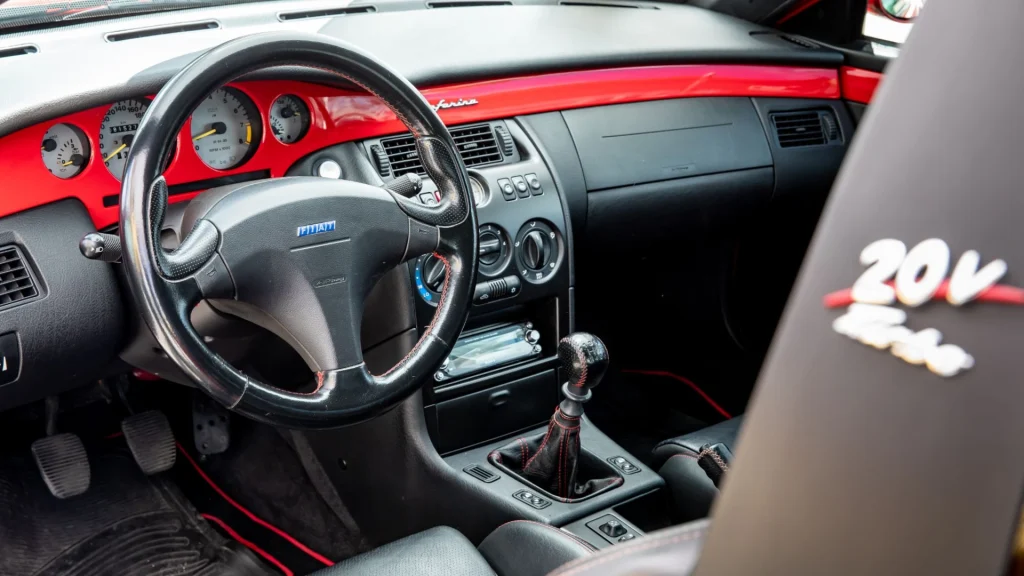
(624, 466)
(520, 187)
(531, 499)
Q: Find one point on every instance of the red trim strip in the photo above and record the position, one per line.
(799, 8)
(859, 85)
(999, 294)
(266, 555)
(250, 515)
(686, 381)
(340, 116)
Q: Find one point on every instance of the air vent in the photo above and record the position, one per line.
(326, 12)
(468, 3)
(480, 473)
(476, 144)
(15, 282)
(605, 5)
(161, 30)
(18, 51)
(806, 128)
(799, 41)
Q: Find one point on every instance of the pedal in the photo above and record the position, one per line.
(210, 425)
(63, 463)
(151, 441)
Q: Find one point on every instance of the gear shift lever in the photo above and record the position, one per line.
(552, 461)
(584, 360)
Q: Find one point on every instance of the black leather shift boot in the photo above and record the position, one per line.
(553, 462)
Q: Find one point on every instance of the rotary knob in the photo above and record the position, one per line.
(433, 273)
(536, 250)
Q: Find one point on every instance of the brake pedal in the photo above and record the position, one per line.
(151, 441)
(63, 463)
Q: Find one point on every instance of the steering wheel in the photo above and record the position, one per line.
(296, 255)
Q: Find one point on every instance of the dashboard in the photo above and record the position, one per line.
(556, 133)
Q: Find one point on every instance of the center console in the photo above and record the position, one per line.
(503, 378)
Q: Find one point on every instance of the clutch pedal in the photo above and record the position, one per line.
(63, 463)
(151, 441)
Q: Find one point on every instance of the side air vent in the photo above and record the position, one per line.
(326, 12)
(476, 144)
(161, 30)
(805, 128)
(480, 473)
(468, 3)
(18, 51)
(15, 282)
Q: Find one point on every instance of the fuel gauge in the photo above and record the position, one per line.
(289, 119)
(65, 150)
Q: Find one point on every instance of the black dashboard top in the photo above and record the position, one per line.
(80, 66)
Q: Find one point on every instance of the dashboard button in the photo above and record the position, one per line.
(507, 191)
(521, 188)
(534, 182)
(10, 358)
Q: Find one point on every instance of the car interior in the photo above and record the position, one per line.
(407, 287)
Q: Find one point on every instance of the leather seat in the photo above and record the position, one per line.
(693, 490)
(525, 548)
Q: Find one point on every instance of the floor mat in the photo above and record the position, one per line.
(125, 524)
(261, 473)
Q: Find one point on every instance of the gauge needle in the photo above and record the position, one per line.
(215, 128)
(114, 153)
(209, 132)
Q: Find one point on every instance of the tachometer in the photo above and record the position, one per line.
(117, 132)
(65, 150)
(226, 128)
(289, 119)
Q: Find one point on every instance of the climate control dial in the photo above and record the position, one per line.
(538, 251)
(494, 250)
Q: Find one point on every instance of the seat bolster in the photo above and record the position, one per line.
(440, 550)
(673, 551)
(526, 548)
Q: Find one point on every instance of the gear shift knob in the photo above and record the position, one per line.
(584, 360)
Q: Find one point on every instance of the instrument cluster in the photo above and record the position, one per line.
(225, 129)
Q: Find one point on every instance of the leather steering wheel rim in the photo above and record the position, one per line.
(220, 256)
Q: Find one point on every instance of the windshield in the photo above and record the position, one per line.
(21, 14)
(888, 23)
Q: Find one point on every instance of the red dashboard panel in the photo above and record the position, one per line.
(340, 116)
(859, 85)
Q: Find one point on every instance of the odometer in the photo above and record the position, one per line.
(117, 132)
(226, 129)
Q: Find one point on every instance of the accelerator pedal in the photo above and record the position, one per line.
(63, 463)
(151, 441)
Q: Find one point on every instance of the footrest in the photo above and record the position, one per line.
(63, 463)
(151, 441)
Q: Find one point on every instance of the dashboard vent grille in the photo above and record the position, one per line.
(15, 282)
(161, 30)
(326, 12)
(18, 51)
(805, 128)
(476, 144)
(603, 4)
(803, 42)
(480, 473)
(468, 3)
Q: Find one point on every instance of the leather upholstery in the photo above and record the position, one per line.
(673, 551)
(522, 547)
(554, 464)
(432, 552)
(693, 490)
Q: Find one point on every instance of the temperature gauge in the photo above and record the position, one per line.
(65, 150)
(289, 119)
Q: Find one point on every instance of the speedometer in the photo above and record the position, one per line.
(117, 132)
(226, 129)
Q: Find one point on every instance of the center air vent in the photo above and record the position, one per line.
(15, 282)
(476, 144)
(805, 128)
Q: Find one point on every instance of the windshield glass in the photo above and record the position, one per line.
(21, 14)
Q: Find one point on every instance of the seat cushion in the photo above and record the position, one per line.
(436, 551)
(523, 547)
(692, 490)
